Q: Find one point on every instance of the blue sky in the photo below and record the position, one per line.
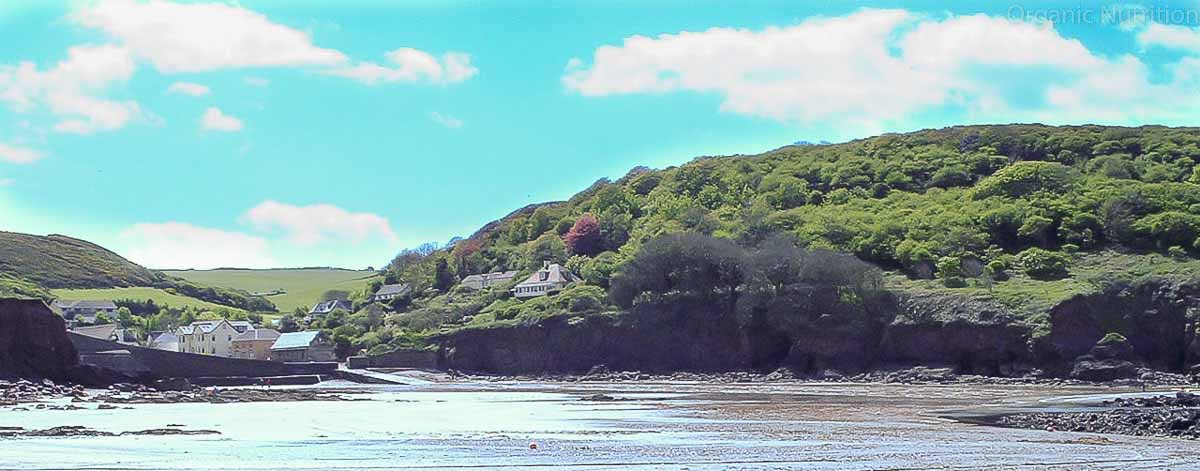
(258, 134)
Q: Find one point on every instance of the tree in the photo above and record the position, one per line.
(548, 247)
(539, 222)
(584, 236)
(443, 279)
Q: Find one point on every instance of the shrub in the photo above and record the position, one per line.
(1177, 252)
(1025, 178)
(1043, 264)
(954, 282)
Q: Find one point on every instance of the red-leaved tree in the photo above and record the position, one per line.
(584, 236)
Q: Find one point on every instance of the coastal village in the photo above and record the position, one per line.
(243, 339)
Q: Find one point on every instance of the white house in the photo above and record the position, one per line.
(390, 292)
(211, 337)
(551, 279)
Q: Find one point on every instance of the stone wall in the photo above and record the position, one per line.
(166, 364)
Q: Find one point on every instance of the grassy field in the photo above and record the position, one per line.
(159, 296)
(303, 287)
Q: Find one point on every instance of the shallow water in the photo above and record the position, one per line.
(666, 426)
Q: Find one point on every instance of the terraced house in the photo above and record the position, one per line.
(211, 337)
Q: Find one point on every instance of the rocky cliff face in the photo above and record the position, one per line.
(34, 344)
(1158, 318)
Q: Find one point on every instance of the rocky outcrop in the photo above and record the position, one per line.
(966, 334)
(678, 340)
(34, 344)
(1156, 317)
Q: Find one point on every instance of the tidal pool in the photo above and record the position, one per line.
(654, 426)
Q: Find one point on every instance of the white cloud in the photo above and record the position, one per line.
(183, 245)
(411, 66)
(875, 67)
(215, 120)
(188, 88)
(311, 225)
(70, 89)
(256, 81)
(446, 120)
(1170, 37)
(6, 181)
(198, 37)
(18, 155)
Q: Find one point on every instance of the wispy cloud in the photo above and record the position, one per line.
(188, 88)
(412, 66)
(214, 119)
(183, 245)
(446, 120)
(314, 224)
(18, 155)
(256, 81)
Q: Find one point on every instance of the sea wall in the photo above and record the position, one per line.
(142, 361)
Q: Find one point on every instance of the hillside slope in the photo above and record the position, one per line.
(30, 265)
(58, 261)
(288, 289)
(990, 237)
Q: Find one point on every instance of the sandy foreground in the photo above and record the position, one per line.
(646, 426)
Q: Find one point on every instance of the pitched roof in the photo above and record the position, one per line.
(206, 327)
(257, 334)
(331, 305)
(103, 332)
(164, 338)
(399, 288)
(498, 275)
(294, 340)
(84, 304)
(554, 273)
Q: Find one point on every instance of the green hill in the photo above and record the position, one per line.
(288, 289)
(57, 261)
(1018, 216)
(30, 265)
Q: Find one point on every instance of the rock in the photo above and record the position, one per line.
(34, 343)
(598, 398)
(1103, 370)
(171, 431)
(106, 407)
(174, 384)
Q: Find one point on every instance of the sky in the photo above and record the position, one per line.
(303, 133)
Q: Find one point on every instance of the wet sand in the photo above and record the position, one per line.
(650, 426)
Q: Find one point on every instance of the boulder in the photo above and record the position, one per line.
(1088, 369)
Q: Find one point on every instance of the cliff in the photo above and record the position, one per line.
(969, 335)
(34, 344)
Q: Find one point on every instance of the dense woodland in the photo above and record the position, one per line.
(969, 205)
